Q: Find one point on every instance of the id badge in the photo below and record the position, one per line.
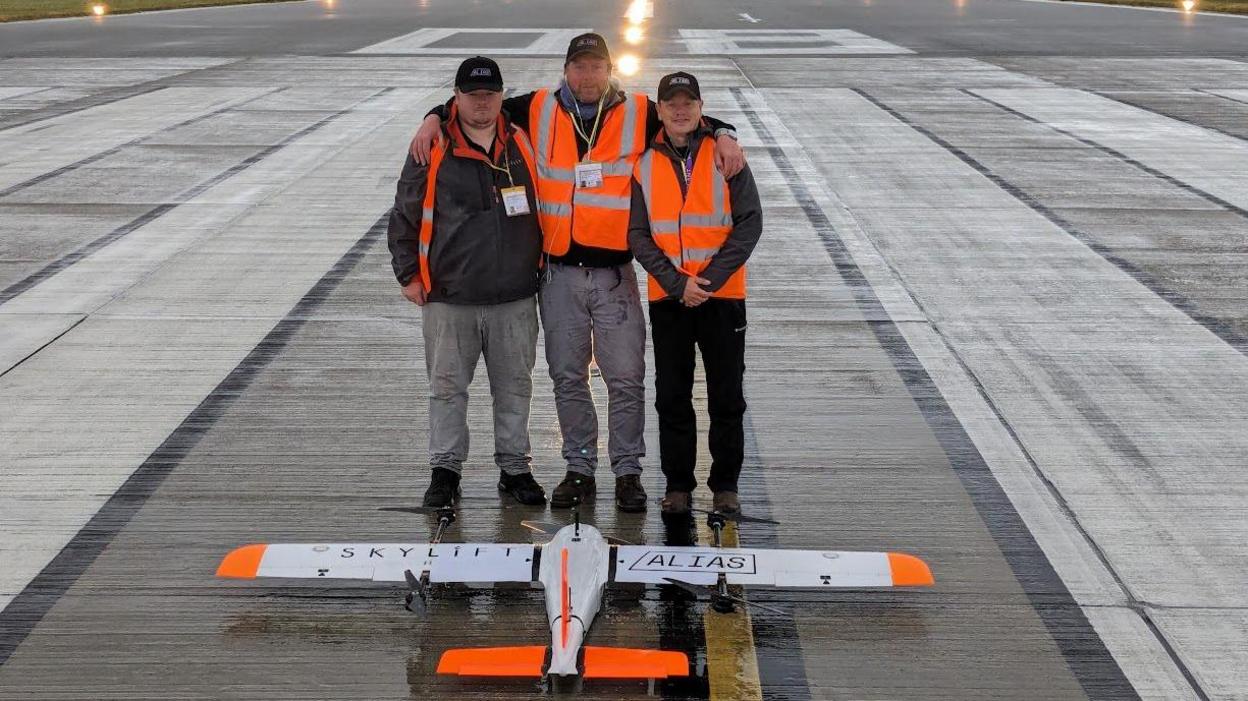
(515, 200)
(589, 175)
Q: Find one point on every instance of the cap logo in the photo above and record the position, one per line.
(678, 80)
(587, 41)
(480, 73)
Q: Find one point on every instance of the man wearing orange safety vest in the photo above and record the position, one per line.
(588, 135)
(466, 245)
(693, 230)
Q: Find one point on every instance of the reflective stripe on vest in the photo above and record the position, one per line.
(693, 229)
(595, 216)
(436, 157)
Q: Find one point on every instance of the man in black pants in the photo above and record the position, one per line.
(693, 231)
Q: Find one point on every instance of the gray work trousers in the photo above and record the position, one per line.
(596, 313)
(456, 335)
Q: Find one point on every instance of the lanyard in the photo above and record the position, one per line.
(686, 167)
(506, 166)
(580, 128)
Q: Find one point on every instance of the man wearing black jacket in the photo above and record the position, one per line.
(693, 230)
(466, 247)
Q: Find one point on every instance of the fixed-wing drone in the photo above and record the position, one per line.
(574, 568)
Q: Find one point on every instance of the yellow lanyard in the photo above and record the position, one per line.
(580, 129)
(506, 167)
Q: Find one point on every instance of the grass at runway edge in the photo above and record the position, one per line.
(1238, 7)
(13, 10)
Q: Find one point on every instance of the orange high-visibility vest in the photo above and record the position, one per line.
(595, 216)
(690, 231)
(463, 151)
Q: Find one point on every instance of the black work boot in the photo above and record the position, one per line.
(677, 503)
(574, 489)
(727, 503)
(630, 496)
(443, 488)
(522, 487)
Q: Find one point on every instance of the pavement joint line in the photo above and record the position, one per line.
(147, 217)
(1132, 602)
(27, 609)
(108, 96)
(1110, 151)
(1219, 95)
(1056, 607)
(49, 342)
(1216, 130)
(17, 187)
(1178, 300)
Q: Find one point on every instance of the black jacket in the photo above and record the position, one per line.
(478, 254)
(747, 225)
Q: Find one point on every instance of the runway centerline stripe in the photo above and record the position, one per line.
(28, 608)
(1084, 651)
(87, 249)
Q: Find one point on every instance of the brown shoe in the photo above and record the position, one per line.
(574, 489)
(630, 496)
(677, 503)
(727, 503)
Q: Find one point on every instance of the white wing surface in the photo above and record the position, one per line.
(769, 568)
(383, 562)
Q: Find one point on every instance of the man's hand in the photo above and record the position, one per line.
(729, 158)
(695, 295)
(422, 143)
(415, 293)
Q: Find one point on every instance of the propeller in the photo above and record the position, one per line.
(700, 590)
(548, 528)
(737, 517)
(425, 510)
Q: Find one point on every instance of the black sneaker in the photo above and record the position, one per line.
(523, 488)
(630, 496)
(574, 489)
(443, 488)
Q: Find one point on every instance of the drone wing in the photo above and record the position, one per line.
(769, 568)
(385, 562)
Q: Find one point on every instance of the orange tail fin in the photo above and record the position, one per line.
(628, 663)
(524, 661)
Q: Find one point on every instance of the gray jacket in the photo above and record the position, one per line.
(747, 225)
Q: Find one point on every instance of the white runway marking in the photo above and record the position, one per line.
(1133, 411)
(785, 42)
(41, 147)
(745, 17)
(421, 41)
(77, 418)
(1213, 162)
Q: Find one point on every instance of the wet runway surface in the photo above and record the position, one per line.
(996, 321)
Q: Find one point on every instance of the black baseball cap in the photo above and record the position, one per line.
(591, 43)
(479, 73)
(674, 83)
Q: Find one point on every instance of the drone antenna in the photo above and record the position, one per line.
(576, 518)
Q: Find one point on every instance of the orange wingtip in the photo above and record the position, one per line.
(628, 663)
(242, 563)
(909, 571)
(524, 661)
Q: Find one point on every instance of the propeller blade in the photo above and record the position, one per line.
(737, 517)
(695, 589)
(542, 526)
(755, 604)
(424, 510)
